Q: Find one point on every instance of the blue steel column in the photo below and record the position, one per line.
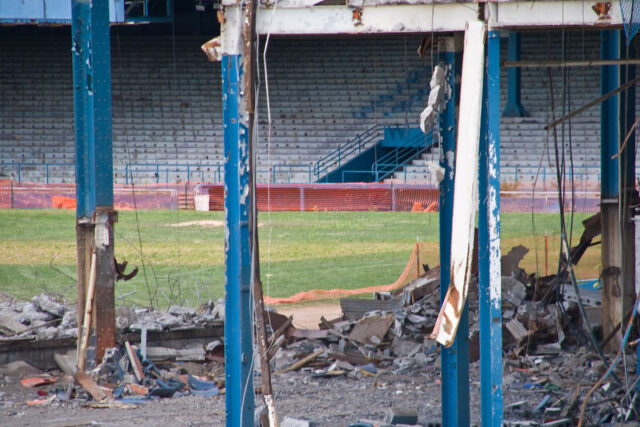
(91, 50)
(609, 80)
(455, 359)
(514, 107)
(238, 325)
(609, 186)
(489, 242)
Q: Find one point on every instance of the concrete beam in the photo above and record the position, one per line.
(418, 17)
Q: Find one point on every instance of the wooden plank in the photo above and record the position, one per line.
(135, 362)
(90, 386)
(300, 363)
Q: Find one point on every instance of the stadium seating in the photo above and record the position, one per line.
(167, 108)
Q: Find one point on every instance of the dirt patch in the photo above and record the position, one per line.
(308, 315)
(201, 223)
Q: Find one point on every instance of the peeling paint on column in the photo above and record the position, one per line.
(466, 189)
(451, 162)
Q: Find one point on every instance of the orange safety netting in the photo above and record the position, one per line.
(5, 193)
(62, 202)
(411, 271)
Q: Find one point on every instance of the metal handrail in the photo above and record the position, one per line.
(360, 142)
(388, 163)
(288, 168)
(166, 168)
(20, 165)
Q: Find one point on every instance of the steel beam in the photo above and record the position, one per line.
(238, 325)
(455, 359)
(489, 242)
(627, 162)
(514, 107)
(609, 188)
(94, 163)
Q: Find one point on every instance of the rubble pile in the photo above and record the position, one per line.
(124, 379)
(48, 316)
(549, 361)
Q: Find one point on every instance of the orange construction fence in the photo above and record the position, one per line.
(334, 197)
(410, 272)
(5, 193)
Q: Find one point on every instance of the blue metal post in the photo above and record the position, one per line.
(609, 186)
(489, 241)
(628, 193)
(455, 359)
(238, 326)
(91, 50)
(628, 117)
(609, 80)
(514, 107)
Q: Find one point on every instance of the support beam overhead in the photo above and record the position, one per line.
(382, 17)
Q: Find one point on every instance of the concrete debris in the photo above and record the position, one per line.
(48, 304)
(370, 328)
(397, 416)
(47, 317)
(294, 422)
(513, 291)
(439, 94)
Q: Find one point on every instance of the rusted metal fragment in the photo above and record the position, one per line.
(212, 49)
(355, 308)
(466, 189)
(135, 362)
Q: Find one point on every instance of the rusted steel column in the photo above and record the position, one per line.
(617, 190)
(90, 46)
(104, 306)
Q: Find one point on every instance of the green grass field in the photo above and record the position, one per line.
(298, 251)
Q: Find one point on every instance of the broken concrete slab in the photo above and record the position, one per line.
(368, 327)
(49, 305)
(31, 313)
(513, 291)
(9, 325)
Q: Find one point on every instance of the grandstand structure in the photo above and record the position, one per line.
(342, 86)
(167, 114)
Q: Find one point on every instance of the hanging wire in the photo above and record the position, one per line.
(173, 82)
(269, 138)
(153, 296)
